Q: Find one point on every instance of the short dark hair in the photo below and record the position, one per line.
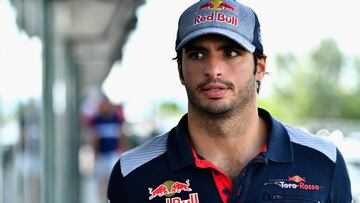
(258, 55)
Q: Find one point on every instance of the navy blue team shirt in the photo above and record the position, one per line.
(294, 166)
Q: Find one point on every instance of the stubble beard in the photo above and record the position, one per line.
(227, 110)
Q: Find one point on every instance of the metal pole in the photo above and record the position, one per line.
(47, 141)
(1, 174)
(71, 138)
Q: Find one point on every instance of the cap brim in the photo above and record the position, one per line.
(226, 33)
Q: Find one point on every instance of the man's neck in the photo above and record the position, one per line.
(229, 143)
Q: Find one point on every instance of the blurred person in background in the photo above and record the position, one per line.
(226, 148)
(106, 139)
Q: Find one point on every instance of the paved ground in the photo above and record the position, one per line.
(89, 191)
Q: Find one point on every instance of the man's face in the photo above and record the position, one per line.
(218, 75)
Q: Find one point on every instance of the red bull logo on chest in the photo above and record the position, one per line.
(169, 188)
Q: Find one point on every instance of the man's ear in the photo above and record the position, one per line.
(261, 68)
(181, 76)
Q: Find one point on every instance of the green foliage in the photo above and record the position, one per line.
(170, 108)
(313, 87)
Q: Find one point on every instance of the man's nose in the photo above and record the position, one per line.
(213, 68)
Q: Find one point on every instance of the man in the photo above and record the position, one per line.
(225, 149)
(107, 140)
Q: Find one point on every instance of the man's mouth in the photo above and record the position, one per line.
(215, 91)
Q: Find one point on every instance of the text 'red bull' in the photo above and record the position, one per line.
(216, 16)
(193, 198)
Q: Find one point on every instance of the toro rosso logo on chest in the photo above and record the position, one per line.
(293, 182)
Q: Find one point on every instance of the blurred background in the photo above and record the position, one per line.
(83, 80)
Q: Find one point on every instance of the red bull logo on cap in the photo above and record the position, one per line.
(217, 5)
(169, 188)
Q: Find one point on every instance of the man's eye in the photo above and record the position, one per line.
(196, 55)
(231, 53)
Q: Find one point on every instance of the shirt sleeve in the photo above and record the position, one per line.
(114, 185)
(341, 187)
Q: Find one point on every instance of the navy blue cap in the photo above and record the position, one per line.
(228, 18)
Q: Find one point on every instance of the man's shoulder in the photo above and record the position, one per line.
(312, 141)
(142, 154)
